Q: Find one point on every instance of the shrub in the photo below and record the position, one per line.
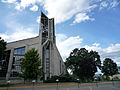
(116, 78)
(62, 78)
(107, 78)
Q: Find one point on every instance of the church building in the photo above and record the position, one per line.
(51, 60)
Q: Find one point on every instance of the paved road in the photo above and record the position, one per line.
(68, 86)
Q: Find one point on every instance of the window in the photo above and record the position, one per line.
(47, 63)
(19, 50)
(18, 54)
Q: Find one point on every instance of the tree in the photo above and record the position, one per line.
(3, 62)
(83, 63)
(119, 69)
(109, 67)
(2, 48)
(30, 65)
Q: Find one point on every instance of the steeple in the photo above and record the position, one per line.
(47, 28)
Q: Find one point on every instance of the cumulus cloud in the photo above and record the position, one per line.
(28, 33)
(34, 8)
(82, 17)
(26, 3)
(14, 33)
(38, 19)
(67, 44)
(63, 10)
(114, 3)
(8, 1)
(109, 4)
(112, 51)
(103, 5)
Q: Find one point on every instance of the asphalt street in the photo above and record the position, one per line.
(68, 86)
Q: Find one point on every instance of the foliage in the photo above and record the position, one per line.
(116, 78)
(83, 63)
(6, 85)
(62, 78)
(106, 78)
(2, 48)
(119, 69)
(30, 65)
(98, 76)
(109, 67)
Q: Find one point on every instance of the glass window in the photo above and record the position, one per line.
(23, 51)
(15, 51)
(47, 63)
(47, 53)
(19, 50)
(18, 54)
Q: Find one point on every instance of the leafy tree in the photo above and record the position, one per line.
(83, 63)
(3, 63)
(2, 48)
(119, 69)
(30, 65)
(109, 67)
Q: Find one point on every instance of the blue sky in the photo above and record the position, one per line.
(93, 24)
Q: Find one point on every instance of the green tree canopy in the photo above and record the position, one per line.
(83, 63)
(2, 48)
(30, 64)
(109, 67)
(119, 69)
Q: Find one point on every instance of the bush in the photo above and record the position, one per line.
(116, 78)
(107, 78)
(62, 78)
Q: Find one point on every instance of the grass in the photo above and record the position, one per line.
(6, 85)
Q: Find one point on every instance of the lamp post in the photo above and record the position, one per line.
(96, 81)
(57, 80)
(78, 82)
(8, 82)
(33, 81)
(0, 67)
(112, 81)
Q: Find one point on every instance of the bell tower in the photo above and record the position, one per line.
(47, 35)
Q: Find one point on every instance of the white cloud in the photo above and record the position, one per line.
(34, 8)
(19, 35)
(63, 10)
(26, 3)
(16, 31)
(82, 17)
(8, 1)
(114, 3)
(109, 4)
(96, 44)
(38, 19)
(103, 4)
(113, 48)
(112, 51)
(67, 44)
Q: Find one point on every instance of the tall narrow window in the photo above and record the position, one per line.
(60, 66)
(47, 63)
(18, 54)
